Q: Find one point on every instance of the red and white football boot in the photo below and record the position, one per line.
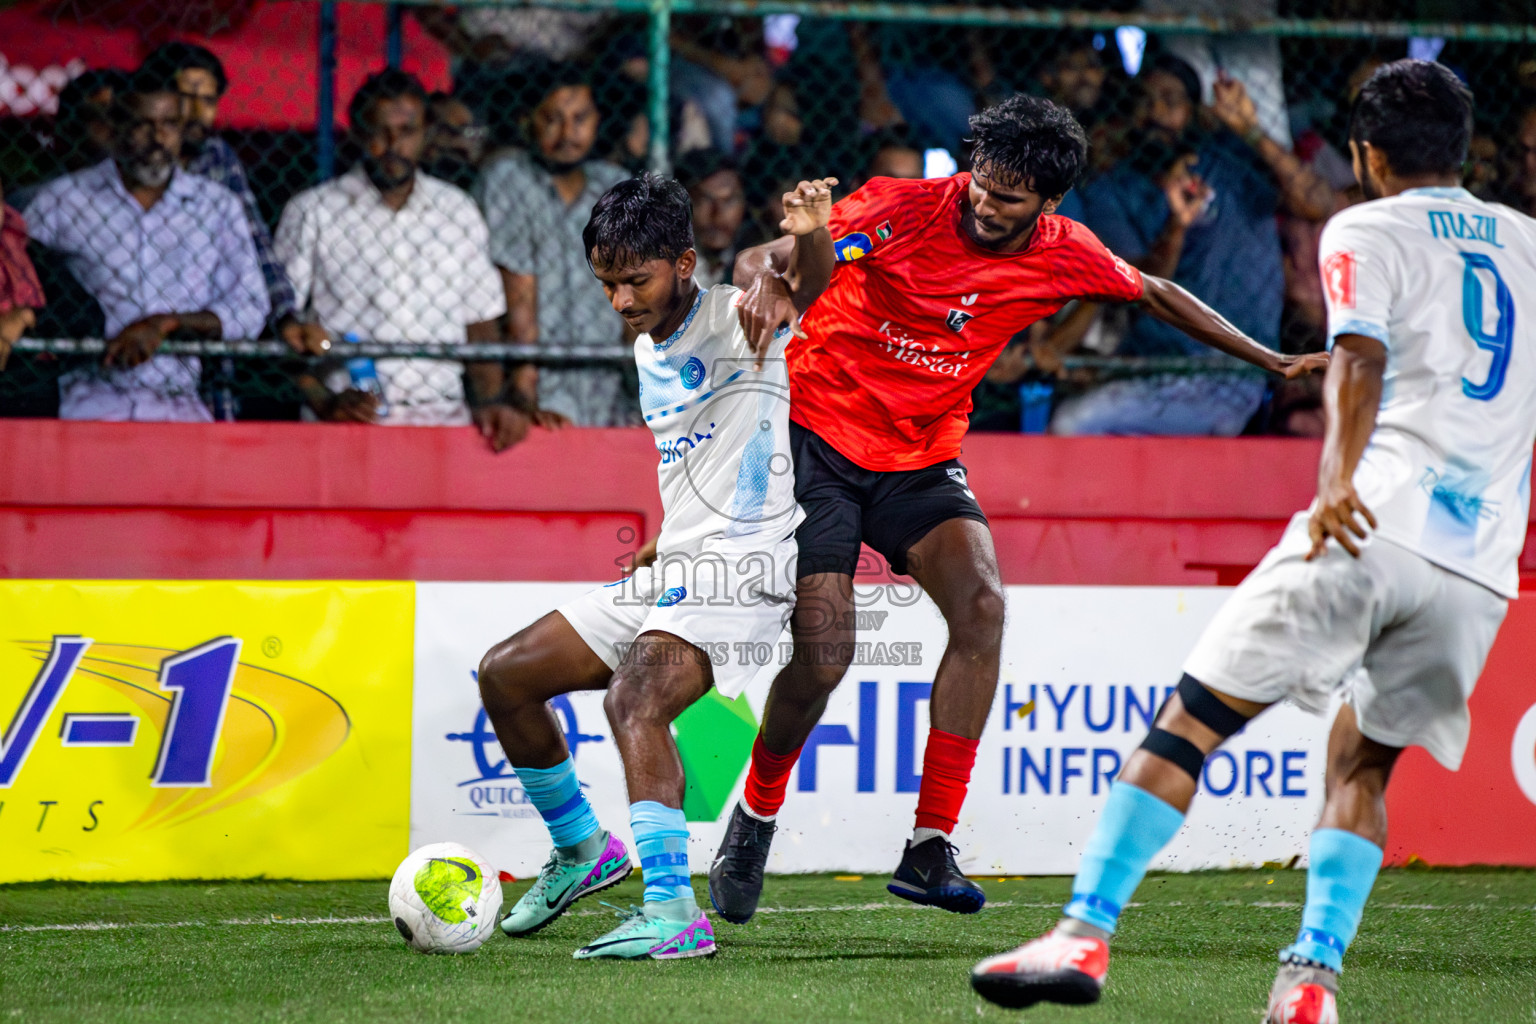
(1303, 994)
(1066, 965)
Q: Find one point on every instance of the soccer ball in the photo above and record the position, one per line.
(444, 898)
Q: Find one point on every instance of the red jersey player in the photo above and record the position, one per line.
(933, 278)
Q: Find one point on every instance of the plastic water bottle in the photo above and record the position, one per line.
(1035, 406)
(365, 376)
(225, 406)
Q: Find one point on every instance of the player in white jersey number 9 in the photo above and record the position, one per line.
(1390, 589)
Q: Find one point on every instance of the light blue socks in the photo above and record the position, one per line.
(1340, 874)
(661, 840)
(1135, 825)
(557, 795)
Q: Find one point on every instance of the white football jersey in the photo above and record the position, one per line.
(721, 429)
(1447, 282)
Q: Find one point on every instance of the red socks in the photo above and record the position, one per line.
(769, 776)
(947, 763)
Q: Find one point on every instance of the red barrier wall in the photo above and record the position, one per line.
(294, 501)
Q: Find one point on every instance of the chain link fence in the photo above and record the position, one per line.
(407, 185)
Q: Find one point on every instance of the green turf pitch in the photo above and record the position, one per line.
(1436, 946)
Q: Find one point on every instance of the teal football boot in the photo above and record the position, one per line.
(561, 883)
(661, 930)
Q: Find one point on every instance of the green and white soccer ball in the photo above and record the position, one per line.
(445, 898)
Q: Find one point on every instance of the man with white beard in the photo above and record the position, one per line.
(164, 252)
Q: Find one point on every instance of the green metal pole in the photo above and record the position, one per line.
(660, 86)
(1015, 16)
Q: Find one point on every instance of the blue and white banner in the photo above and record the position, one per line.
(1083, 671)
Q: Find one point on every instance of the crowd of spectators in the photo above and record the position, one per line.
(459, 216)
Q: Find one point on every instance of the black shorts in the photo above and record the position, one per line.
(890, 511)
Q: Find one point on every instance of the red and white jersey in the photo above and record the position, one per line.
(1439, 277)
(917, 313)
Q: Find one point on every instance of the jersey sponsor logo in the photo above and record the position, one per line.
(672, 596)
(904, 348)
(1474, 228)
(674, 449)
(852, 246)
(884, 231)
(692, 374)
(1339, 279)
(957, 319)
(1463, 507)
(1123, 268)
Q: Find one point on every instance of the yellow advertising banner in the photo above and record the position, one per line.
(204, 729)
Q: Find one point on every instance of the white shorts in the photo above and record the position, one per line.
(732, 602)
(1400, 638)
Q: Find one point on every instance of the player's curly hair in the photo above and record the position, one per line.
(644, 218)
(1032, 141)
(1416, 112)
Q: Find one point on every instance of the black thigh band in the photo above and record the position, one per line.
(1208, 709)
(1176, 749)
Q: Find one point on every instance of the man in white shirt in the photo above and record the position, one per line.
(164, 252)
(1424, 492)
(387, 254)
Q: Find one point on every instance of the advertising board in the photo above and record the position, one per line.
(203, 729)
(1084, 669)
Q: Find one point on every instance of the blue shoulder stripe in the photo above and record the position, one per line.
(672, 410)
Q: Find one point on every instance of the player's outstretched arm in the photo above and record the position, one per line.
(1351, 396)
(782, 278)
(806, 212)
(1173, 305)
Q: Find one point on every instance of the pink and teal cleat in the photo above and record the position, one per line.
(661, 930)
(561, 883)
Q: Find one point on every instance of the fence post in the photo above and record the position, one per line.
(325, 114)
(394, 41)
(660, 86)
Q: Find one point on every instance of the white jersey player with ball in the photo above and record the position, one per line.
(724, 575)
(716, 596)
(1389, 590)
